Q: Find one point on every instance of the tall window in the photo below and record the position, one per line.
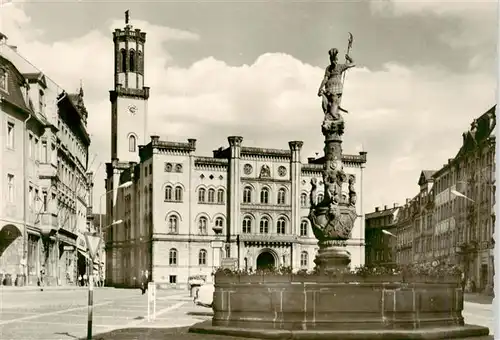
(10, 187)
(41, 101)
(304, 259)
(123, 54)
(202, 225)
(281, 226)
(3, 79)
(45, 201)
(36, 150)
(30, 146)
(44, 152)
(178, 194)
(172, 257)
(247, 195)
(168, 193)
(281, 196)
(132, 143)
(201, 195)
(173, 224)
(247, 225)
(10, 135)
(139, 61)
(303, 228)
(211, 195)
(220, 196)
(303, 200)
(264, 196)
(264, 225)
(132, 61)
(202, 257)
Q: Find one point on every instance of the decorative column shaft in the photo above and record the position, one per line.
(234, 191)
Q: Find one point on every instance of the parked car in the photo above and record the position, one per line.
(205, 295)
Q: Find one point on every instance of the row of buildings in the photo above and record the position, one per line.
(451, 219)
(45, 185)
(178, 214)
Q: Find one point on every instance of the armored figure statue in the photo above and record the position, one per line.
(332, 85)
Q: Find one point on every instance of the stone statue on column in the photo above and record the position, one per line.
(333, 218)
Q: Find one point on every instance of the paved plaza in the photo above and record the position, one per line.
(62, 314)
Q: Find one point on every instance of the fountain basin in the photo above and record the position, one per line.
(275, 306)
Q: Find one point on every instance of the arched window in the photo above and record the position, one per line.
(247, 195)
(202, 257)
(264, 225)
(132, 143)
(281, 226)
(202, 225)
(304, 259)
(320, 199)
(132, 61)
(219, 222)
(303, 200)
(247, 225)
(172, 257)
(168, 193)
(281, 196)
(220, 196)
(264, 196)
(303, 228)
(178, 194)
(201, 195)
(211, 195)
(123, 57)
(173, 225)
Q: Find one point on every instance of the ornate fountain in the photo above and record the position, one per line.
(331, 302)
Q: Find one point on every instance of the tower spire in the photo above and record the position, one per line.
(127, 17)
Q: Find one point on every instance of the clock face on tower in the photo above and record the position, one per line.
(132, 109)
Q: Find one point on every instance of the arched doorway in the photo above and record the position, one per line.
(11, 245)
(265, 260)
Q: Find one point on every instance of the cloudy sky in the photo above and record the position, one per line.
(252, 68)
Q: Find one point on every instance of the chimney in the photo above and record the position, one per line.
(385, 207)
(155, 139)
(14, 48)
(395, 205)
(376, 209)
(407, 200)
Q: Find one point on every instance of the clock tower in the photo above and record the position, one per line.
(129, 98)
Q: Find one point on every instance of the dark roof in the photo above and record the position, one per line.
(381, 213)
(426, 176)
(15, 80)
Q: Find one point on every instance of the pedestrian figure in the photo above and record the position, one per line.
(144, 281)
(41, 280)
(80, 281)
(85, 279)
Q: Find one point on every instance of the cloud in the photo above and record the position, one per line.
(473, 25)
(407, 119)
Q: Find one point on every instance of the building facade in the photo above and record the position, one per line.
(380, 246)
(43, 168)
(178, 214)
(451, 219)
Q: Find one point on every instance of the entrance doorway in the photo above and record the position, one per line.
(265, 260)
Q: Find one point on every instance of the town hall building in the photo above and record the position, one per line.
(177, 214)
